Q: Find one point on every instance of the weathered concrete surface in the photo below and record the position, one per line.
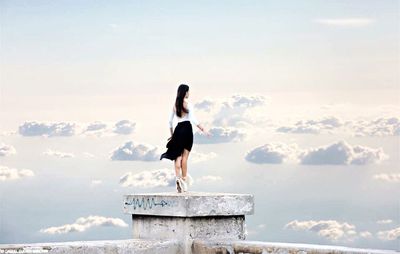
(128, 246)
(189, 228)
(257, 247)
(188, 216)
(189, 204)
(137, 246)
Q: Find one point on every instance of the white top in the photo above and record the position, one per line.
(187, 117)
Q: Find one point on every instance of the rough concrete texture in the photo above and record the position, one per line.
(137, 246)
(189, 204)
(184, 229)
(257, 247)
(128, 246)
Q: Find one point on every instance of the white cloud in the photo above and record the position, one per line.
(124, 127)
(96, 128)
(365, 234)
(7, 173)
(133, 151)
(393, 178)
(220, 135)
(196, 157)
(261, 225)
(58, 154)
(389, 235)
(96, 182)
(342, 153)
(233, 111)
(274, 152)
(313, 126)
(387, 221)
(206, 104)
(330, 229)
(47, 129)
(339, 153)
(209, 178)
(6, 150)
(346, 22)
(383, 126)
(82, 224)
(149, 178)
(88, 155)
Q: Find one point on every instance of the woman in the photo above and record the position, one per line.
(181, 141)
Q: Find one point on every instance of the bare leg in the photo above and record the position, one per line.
(185, 156)
(178, 164)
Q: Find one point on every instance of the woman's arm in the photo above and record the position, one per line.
(170, 121)
(193, 118)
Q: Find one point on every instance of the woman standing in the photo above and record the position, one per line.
(181, 141)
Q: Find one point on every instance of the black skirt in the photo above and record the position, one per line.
(182, 138)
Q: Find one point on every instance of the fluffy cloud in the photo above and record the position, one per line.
(313, 126)
(339, 153)
(82, 224)
(97, 128)
(7, 173)
(196, 157)
(233, 111)
(206, 104)
(209, 178)
(330, 229)
(389, 126)
(6, 150)
(389, 235)
(88, 155)
(149, 179)
(58, 154)
(133, 151)
(388, 221)
(124, 127)
(96, 182)
(274, 152)
(343, 154)
(47, 129)
(393, 178)
(220, 135)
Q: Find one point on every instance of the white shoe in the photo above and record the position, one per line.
(183, 184)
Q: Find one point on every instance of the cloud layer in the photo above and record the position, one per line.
(134, 151)
(220, 135)
(339, 153)
(7, 173)
(6, 150)
(82, 224)
(330, 229)
(59, 154)
(149, 179)
(67, 129)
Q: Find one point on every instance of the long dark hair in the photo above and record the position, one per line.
(180, 96)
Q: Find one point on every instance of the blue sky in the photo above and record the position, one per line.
(310, 89)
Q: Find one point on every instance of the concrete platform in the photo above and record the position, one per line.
(188, 216)
(190, 204)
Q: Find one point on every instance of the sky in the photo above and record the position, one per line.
(302, 99)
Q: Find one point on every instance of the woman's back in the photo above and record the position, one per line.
(184, 116)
